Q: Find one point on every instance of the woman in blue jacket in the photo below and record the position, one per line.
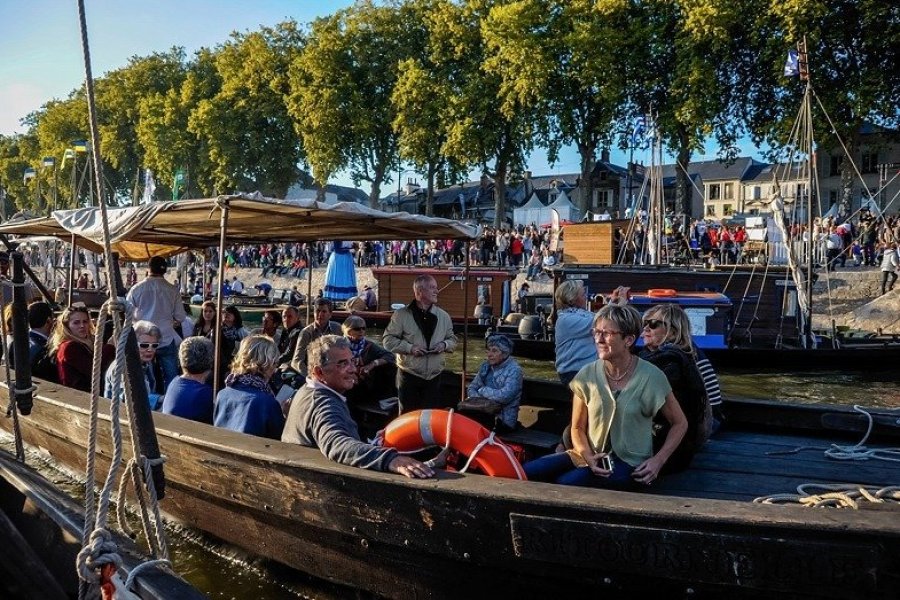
(247, 404)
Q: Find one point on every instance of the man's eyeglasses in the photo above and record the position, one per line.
(600, 334)
(148, 345)
(653, 323)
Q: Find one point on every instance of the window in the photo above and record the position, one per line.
(710, 210)
(835, 167)
(603, 198)
(869, 162)
(757, 192)
(714, 192)
(727, 210)
(728, 191)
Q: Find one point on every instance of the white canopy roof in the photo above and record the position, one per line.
(166, 228)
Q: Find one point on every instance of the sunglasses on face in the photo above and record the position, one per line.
(148, 345)
(653, 323)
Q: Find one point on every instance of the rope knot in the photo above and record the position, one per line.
(99, 551)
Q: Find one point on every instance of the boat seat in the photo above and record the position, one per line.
(532, 438)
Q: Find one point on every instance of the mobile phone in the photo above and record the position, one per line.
(606, 462)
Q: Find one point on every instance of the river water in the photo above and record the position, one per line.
(225, 572)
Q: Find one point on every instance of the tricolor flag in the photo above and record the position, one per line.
(29, 174)
(80, 145)
(68, 155)
(639, 137)
(49, 161)
(178, 184)
(792, 64)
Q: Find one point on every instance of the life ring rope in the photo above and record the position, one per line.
(418, 429)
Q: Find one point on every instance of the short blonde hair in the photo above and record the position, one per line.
(567, 292)
(256, 354)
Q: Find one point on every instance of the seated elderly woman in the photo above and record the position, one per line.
(247, 404)
(615, 400)
(189, 395)
(375, 367)
(148, 336)
(499, 382)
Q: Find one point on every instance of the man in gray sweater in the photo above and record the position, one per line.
(319, 417)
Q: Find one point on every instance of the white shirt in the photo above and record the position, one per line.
(237, 287)
(156, 300)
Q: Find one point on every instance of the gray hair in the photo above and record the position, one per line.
(146, 328)
(567, 292)
(195, 355)
(420, 281)
(318, 351)
(500, 342)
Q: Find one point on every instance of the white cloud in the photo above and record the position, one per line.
(17, 99)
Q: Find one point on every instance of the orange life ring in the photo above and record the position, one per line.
(423, 428)
(661, 293)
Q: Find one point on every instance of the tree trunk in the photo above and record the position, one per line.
(429, 191)
(682, 182)
(500, 193)
(586, 183)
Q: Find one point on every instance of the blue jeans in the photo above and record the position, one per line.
(558, 468)
(167, 358)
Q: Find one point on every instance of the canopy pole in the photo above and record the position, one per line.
(465, 321)
(73, 254)
(223, 230)
(308, 283)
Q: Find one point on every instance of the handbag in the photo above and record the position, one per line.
(479, 405)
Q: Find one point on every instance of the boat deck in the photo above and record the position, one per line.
(743, 465)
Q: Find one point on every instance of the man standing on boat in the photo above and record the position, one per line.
(419, 334)
(319, 417)
(322, 325)
(158, 301)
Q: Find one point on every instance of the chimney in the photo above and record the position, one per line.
(412, 186)
(604, 155)
(526, 175)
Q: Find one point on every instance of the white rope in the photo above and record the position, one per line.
(841, 495)
(145, 566)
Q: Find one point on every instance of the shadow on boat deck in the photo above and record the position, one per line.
(743, 465)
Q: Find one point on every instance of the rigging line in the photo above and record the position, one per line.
(758, 300)
(843, 146)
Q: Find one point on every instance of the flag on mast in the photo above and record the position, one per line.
(80, 145)
(639, 137)
(49, 161)
(792, 64)
(29, 174)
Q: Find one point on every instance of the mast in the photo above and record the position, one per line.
(803, 65)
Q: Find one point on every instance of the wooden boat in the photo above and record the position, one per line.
(464, 535)
(41, 531)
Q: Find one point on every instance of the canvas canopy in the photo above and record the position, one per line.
(167, 228)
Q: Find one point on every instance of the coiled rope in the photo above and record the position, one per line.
(841, 495)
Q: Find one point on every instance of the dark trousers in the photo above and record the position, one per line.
(416, 393)
(885, 275)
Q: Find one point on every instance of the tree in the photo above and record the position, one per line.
(486, 121)
(683, 72)
(851, 45)
(17, 153)
(245, 126)
(566, 59)
(341, 88)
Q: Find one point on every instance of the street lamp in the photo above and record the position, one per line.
(400, 174)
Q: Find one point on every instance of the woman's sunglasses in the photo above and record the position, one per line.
(653, 323)
(148, 345)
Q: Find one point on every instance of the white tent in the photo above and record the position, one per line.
(565, 208)
(531, 212)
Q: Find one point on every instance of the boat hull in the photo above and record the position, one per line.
(457, 536)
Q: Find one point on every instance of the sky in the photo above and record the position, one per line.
(42, 59)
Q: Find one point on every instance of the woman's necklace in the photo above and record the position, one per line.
(624, 374)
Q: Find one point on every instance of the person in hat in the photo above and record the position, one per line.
(369, 298)
(156, 300)
(499, 380)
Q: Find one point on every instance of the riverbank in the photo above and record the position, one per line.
(851, 297)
